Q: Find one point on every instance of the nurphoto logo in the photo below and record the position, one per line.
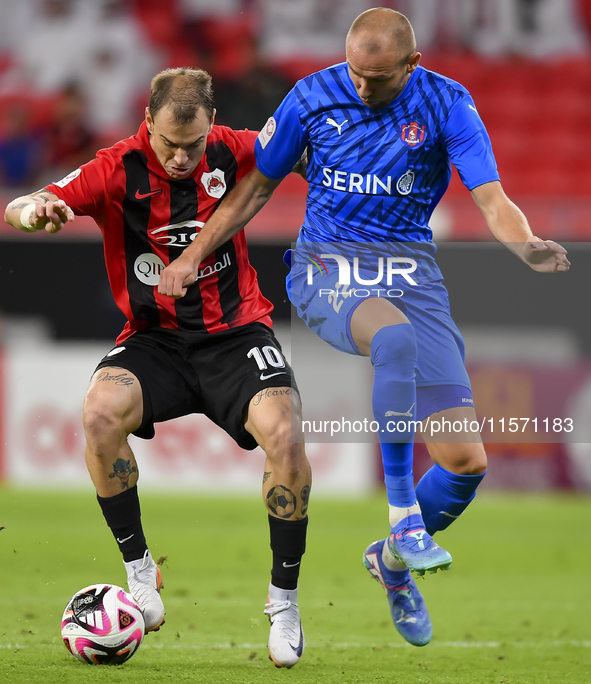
(393, 267)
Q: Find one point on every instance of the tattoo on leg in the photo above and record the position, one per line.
(281, 501)
(305, 497)
(122, 469)
(269, 392)
(121, 379)
(266, 476)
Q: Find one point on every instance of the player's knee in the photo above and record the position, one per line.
(395, 344)
(477, 464)
(102, 422)
(277, 440)
(469, 459)
(283, 453)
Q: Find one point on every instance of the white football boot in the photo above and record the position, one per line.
(286, 639)
(144, 580)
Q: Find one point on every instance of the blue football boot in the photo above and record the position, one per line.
(407, 606)
(413, 545)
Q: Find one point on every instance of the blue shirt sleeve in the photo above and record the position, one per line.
(282, 141)
(468, 145)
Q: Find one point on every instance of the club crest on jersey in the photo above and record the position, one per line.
(413, 134)
(214, 183)
(405, 182)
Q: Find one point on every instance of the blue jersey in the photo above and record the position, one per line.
(375, 174)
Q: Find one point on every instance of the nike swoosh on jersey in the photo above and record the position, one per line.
(293, 565)
(271, 375)
(140, 196)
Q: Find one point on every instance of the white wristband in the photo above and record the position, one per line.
(25, 217)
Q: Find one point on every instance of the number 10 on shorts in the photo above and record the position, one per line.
(267, 356)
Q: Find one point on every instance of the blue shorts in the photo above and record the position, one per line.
(326, 307)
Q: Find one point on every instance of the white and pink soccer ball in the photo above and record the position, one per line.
(102, 625)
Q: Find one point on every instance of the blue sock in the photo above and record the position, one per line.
(444, 496)
(394, 358)
(399, 578)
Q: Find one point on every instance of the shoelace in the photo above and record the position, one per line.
(140, 588)
(289, 622)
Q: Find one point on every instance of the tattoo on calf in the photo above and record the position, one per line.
(269, 392)
(305, 497)
(121, 379)
(281, 501)
(266, 476)
(122, 469)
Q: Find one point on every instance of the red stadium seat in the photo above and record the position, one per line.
(298, 67)
(464, 68)
(161, 20)
(37, 108)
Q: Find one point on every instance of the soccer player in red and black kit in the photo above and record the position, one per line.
(211, 351)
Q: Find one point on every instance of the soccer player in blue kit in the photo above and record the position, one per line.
(379, 133)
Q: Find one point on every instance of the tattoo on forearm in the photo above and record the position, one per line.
(305, 497)
(270, 392)
(281, 501)
(266, 476)
(121, 379)
(31, 199)
(40, 197)
(122, 469)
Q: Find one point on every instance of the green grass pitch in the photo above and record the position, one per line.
(514, 609)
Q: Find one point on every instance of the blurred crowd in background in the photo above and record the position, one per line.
(75, 74)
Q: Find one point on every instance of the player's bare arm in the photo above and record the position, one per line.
(509, 225)
(234, 212)
(37, 211)
(301, 168)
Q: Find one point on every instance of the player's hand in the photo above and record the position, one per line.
(545, 256)
(177, 276)
(51, 216)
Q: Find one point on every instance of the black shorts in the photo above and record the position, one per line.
(214, 374)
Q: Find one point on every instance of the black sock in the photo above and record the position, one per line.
(288, 543)
(122, 513)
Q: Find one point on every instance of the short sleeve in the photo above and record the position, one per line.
(282, 141)
(84, 189)
(243, 150)
(468, 145)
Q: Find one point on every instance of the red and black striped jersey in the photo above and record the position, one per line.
(147, 219)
